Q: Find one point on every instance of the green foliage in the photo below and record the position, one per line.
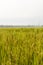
(21, 46)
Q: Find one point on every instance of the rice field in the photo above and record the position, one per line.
(21, 46)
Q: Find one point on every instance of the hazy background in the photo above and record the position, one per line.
(21, 12)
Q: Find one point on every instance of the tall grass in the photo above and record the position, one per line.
(21, 46)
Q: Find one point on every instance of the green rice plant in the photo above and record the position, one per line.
(21, 46)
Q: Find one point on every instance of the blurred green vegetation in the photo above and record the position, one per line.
(21, 46)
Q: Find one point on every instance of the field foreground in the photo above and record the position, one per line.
(21, 46)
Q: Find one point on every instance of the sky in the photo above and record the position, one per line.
(21, 12)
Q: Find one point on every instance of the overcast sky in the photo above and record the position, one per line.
(21, 12)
